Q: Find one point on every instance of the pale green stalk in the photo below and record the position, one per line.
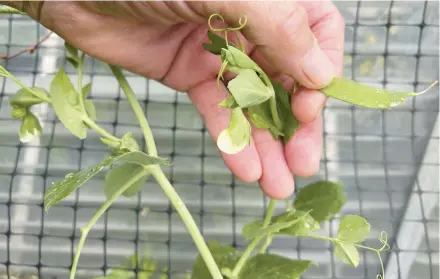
(92, 124)
(137, 109)
(247, 253)
(340, 241)
(160, 177)
(85, 230)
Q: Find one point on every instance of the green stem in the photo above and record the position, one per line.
(251, 247)
(36, 94)
(163, 181)
(266, 244)
(273, 101)
(92, 124)
(85, 230)
(188, 221)
(137, 109)
(340, 241)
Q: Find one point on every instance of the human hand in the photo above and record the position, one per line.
(163, 41)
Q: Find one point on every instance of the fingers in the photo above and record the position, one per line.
(276, 180)
(281, 32)
(245, 165)
(328, 27)
(303, 151)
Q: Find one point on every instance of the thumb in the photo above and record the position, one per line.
(280, 31)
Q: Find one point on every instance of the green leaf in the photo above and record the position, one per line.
(289, 223)
(365, 96)
(305, 225)
(25, 98)
(86, 90)
(225, 256)
(238, 59)
(90, 109)
(324, 198)
(140, 158)
(261, 118)
(353, 229)
(30, 127)
(71, 50)
(65, 104)
(118, 175)
(284, 104)
(129, 143)
(73, 62)
(248, 89)
(347, 253)
(62, 189)
(217, 43)
(238, 134)
(265, 266)
(8, 10)
(229, 102)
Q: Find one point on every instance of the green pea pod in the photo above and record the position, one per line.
(366, 96)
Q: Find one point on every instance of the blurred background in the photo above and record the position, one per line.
(387, 160)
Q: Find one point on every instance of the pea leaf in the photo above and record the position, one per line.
(286, 223)
(347, 253)
(238, 59)
(264, 266)
(238, 134)
(324, 198)
(261, 117)
(26, 98)
(229, 102)
(71, 50)
(284, 104)
(118, 175)
(224, 255)
(246, 86)
(73, 62)
(65, 104)
(4, 9)
(62, 189)
(30, 127)
(140, 158)
(305, 225)
(90, 109)
(128, 142)
(248, 89)
(86, 90)
(353, 229)
(217, 43)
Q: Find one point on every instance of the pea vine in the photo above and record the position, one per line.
(254, 97)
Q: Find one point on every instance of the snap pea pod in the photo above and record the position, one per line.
(365, 96)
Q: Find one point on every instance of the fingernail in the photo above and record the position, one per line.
(318, 67)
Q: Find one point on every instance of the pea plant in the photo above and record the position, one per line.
(254, 99)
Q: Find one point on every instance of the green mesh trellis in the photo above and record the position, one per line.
(388, 161)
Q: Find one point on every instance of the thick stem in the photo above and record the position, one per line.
(273, 101)
(163, 181)
(148, 135)
(99, 213)
(247, 253)
(188, 221)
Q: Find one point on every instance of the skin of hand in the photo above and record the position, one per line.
(163, 41)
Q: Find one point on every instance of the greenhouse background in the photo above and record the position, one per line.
(387, 160)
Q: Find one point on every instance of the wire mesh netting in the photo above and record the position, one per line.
(387, 160)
